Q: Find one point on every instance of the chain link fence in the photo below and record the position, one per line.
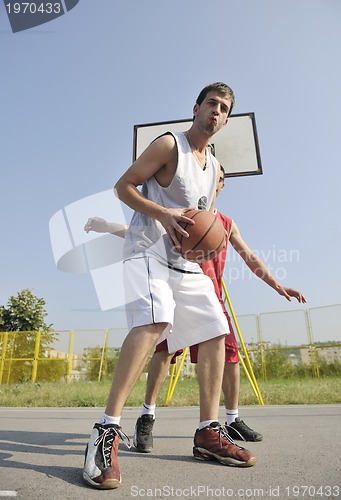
(304, 338)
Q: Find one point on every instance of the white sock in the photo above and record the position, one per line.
(231, 416)
(148, 410)
(205, 423)
(108, 419)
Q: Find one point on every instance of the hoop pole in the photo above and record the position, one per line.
(170, 382)
(248, 375)
(177, 374)
(246, 355)
(70, 356)
(36, 356)
(3, 354)
(104, 351)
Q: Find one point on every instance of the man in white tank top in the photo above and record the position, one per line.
(165, 291)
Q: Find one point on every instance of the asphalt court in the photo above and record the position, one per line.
(42, 450)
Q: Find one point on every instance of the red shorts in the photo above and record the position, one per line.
(231, 347)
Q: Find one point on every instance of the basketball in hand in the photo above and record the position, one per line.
(207, 237)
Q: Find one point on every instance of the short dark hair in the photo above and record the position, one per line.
(219, 87)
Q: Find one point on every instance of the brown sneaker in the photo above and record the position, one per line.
(100, 465)
(214, 443)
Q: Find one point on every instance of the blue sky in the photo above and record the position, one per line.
(73, 89)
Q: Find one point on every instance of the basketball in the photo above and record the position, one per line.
(206, 237)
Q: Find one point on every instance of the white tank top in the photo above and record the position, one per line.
(191, 187)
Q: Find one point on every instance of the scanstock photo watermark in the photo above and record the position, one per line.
(204, 491)
(277, 260)
(26, 15)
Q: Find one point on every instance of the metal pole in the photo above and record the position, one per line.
(36, 356)
(3, 354)
(247, 359)
(104, 350)
(170, 383)
(69, 360)
(178, 371)
(314, 359)
(261, 348)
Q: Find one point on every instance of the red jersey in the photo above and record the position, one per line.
(215, 268)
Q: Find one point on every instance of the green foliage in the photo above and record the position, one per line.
(23, 316)
(52, 370)
(25, 312)
(92, 359)
(273, 364)
(276, 364)
(329, 369)
(2, 318)
(91, 394)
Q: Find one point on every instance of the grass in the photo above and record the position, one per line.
(94, 394)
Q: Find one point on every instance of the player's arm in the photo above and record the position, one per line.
(100, 225)
(258, 267)
(159, 160)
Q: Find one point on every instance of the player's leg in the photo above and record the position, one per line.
(210, 372)
(150, 310)
(199, 316)
(231, 376)
(157, 372)
(132, 359)
(101, 468)
(231, 387)
(235, 426)
(211, 441)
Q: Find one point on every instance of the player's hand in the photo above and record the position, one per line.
(170, 219)
(96, 224)
(290, 292)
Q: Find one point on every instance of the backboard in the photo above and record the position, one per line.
(235, 146)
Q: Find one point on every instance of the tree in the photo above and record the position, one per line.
(26, 313)
(92, 359)
(277, 364)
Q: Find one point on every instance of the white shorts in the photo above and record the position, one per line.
(186, 301)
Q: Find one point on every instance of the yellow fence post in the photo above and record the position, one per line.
(253, 387)
(246, 366)
(70, 356)
(170, 384)
(261, 348)
(246, 355)
(11, 359)
(314, 359)
(36, 356)
(104, 350)
(3, 354)
(175, 371)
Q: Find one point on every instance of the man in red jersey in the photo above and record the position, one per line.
(159, 364)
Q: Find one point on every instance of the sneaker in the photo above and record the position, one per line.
(214, 443)
(143, 437)
(239, 430)
(100, 465)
